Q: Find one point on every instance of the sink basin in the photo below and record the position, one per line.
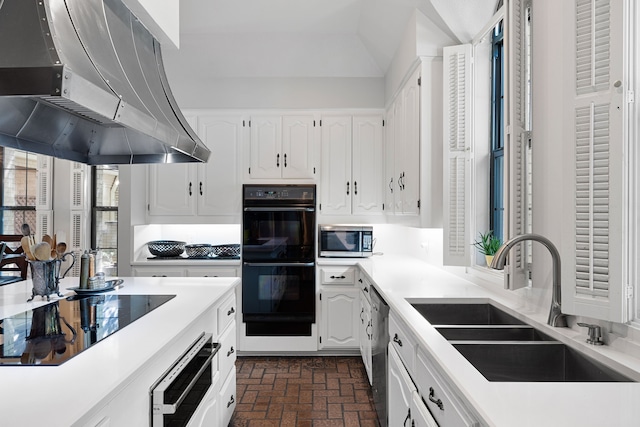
(465, 314)
(493, 333)
(541, 361)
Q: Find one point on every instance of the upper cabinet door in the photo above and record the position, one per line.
(172, 189)
(266, 157)
(219, 183)
(336, 186)
(298, 147)
(367, 164)
(410, 180)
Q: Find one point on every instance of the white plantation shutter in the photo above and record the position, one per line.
(78, 185)
(44, 221)
(44, 173)
(76, 242)
(595, 260)
(516, 141)
(457, 154)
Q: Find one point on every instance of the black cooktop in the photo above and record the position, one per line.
(56, 332)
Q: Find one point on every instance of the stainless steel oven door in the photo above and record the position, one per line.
(176, 395)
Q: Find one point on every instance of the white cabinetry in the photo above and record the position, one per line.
(184, 271)
(366, 325)
(402, 171)
(226, 320)
(283, 147)
(400, 391)
(212, 188)
(433, 402)
(339, 308)
(352, 151)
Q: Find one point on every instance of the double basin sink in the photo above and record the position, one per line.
(504, 348)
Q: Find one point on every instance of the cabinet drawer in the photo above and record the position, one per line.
(338, 275)
(226, 313)
(227, 399)
(402, 341)
(228, 351)
(444, 405)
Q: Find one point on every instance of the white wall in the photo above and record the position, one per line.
(161, 18)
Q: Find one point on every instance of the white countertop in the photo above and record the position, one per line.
(505, 404)
(60, 395)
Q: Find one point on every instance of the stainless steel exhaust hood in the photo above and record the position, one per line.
(84, 80)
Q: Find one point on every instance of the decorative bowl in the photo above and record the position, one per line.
(226, 251)
(198, 250)
(166, 248)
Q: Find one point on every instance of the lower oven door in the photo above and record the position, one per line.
(278, 299)
(176, 395)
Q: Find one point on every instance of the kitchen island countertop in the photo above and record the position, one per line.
(63, 395)
(506, 404)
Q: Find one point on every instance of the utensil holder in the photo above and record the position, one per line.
(45, 276)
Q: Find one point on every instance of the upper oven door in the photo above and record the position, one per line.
(278, 234)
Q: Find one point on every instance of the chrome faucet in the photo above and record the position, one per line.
(556, 318)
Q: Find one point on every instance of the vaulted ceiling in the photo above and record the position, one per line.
(310, 38)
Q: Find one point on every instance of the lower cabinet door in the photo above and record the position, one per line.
(227, 399)
(207, 414)
(400, 390)
(420, 415)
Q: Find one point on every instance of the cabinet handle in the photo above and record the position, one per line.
(369, 334)
(278, 160)
(366, 289)
(201, 188)
(355, 187)
(432, 398)
(391, 185)
(230, 352)
(190, 186)
(397, 340)
(361, 313)
(231, 311)
(360, 280)
(408, 417)
(347, 188)
(285, 160)
(230, 402)
(337, 277)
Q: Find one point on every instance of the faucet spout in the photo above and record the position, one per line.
(556, 317)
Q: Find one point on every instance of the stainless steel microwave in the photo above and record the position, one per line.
(345, 241)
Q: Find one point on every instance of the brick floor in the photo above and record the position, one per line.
(303, 392)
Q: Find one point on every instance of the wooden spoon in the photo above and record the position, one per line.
(42, 251)
(54, 252)
(26, 247)
(61, 249)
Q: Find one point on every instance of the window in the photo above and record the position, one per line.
(487, 169)
(496, 169)
(104, 216)
(18, 185)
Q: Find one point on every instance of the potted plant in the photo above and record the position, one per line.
(488, 245)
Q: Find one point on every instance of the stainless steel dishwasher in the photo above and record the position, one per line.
(380, 340)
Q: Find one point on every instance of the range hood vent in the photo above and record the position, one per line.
(83, 80)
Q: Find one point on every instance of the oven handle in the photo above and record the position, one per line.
(279, 264)
(280, 209)
(183, 362)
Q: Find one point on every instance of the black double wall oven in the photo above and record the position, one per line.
(278, 252)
